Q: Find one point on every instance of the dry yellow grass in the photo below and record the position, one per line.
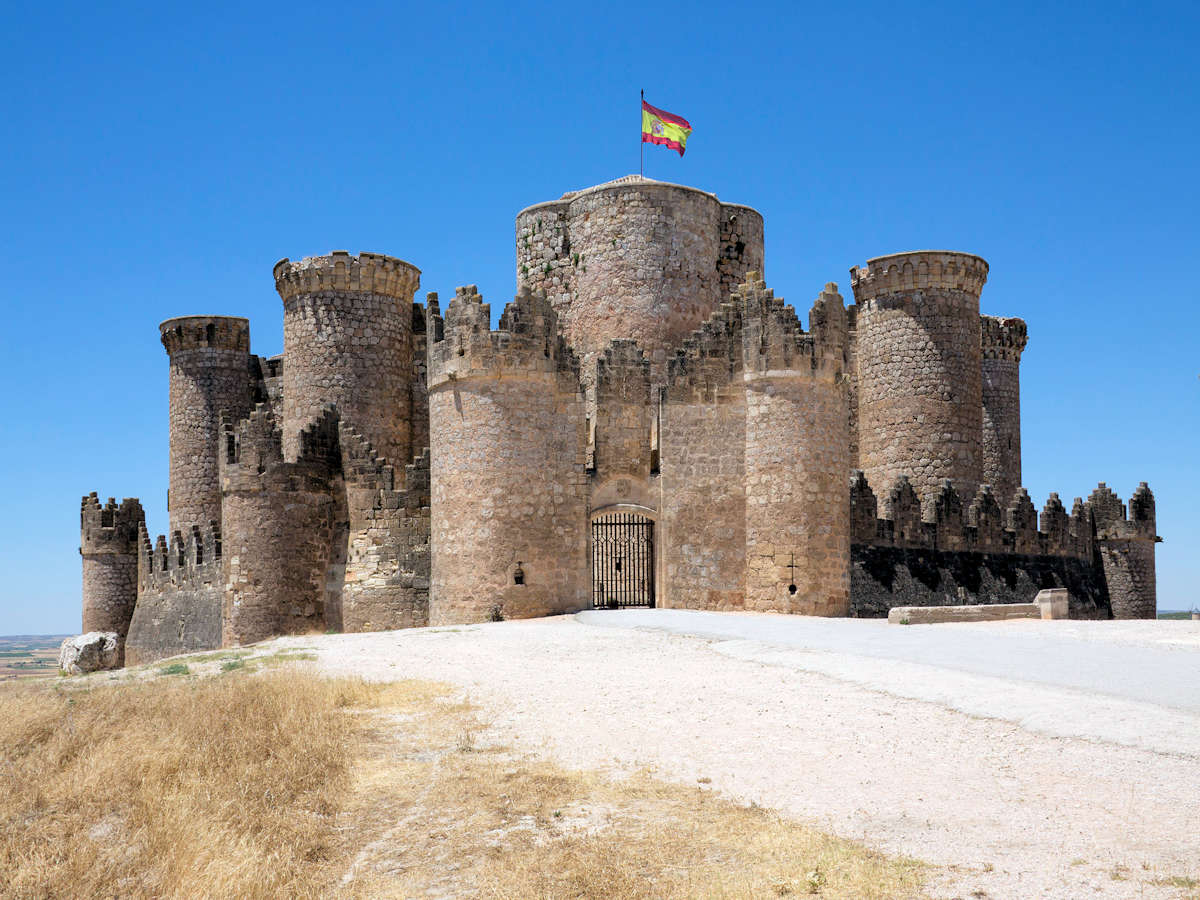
(282, 784)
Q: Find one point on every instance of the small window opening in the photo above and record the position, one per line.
(791, 589)
(210, 334)
(518, 574)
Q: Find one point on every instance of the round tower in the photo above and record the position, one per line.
(1003, 340)
(920, 405)
(348, 340)
(797, 455)
(108, 543)
(637, 259)
(209, 378)
(508, 509)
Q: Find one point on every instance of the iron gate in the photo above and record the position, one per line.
(622, 561)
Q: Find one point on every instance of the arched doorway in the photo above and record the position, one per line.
(622, 561)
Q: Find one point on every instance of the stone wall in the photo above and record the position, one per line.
(180, 591)
(348, 341)
(108, 545)
(920, 409)
(509, 484)
(210, 377)
(797, 512)
(1003, 340)
(884, 577)
(624, 414)
(635, 259)
(387, 567)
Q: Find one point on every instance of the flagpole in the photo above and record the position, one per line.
(641, 143)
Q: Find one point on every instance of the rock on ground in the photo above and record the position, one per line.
(90, 652)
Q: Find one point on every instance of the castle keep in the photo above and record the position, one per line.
(648, 425)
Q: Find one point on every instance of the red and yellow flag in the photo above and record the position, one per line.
(668, 129)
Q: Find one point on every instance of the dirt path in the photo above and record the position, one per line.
(1011, 812)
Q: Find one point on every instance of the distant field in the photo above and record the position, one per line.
(1175, 615)
(29, 655)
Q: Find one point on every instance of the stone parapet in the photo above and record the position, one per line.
(774, 342)
(108, 545)
(371, 273)
(918, 270)
(1003, 338)
(462, 345)
(184, 333)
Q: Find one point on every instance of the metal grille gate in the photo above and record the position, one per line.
(622, 561)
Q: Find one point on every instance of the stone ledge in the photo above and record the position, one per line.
(1049, 604)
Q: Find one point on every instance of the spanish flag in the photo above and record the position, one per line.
(664, 128)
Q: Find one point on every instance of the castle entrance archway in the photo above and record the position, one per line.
(622, 561)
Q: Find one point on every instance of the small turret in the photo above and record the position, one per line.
(108, 544)
(1125, 545)
(1002, 342)
(210, 377)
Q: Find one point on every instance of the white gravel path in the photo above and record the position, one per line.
(1060, 785)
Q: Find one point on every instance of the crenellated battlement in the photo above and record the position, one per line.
(252, 454)
(919, 270)
(1003, 338)
(710, 358)
(192, 558)
(774, 341)
(984, 525)
(623, 372)
(205, 333)
(367, 273)
(1112, 522)
(527, 341)
(110, 528)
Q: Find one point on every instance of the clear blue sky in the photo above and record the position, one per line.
(158, 161)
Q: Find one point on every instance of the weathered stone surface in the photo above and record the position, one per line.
(90, 652)
(990, 612)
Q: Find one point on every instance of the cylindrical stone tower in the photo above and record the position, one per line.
(108, 543)
(638, 259)
(920, 403)
(348, 340)
(209, 378)
(1002, 342)
(797, 456)
(508, 498)
(1125, 545)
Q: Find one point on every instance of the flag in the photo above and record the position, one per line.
(664, 128)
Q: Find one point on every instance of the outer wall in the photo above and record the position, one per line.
(354, 349)
(204, 382)
(920, 407)
(797, 502)
(508, 487)
(275, 555)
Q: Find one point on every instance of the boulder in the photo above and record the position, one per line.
(90, 652)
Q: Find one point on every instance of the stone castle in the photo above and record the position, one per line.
(648, 425)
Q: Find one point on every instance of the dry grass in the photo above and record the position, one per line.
(284, 784)
(175, 787)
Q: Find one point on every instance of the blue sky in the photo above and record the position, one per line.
(159, 160)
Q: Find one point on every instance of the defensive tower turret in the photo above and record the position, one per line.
(348, 340)
(636, 259)
(920, 405)
(210, 378)
(108, 543)
(1003, 340)
(509, 484)
(797, 454)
